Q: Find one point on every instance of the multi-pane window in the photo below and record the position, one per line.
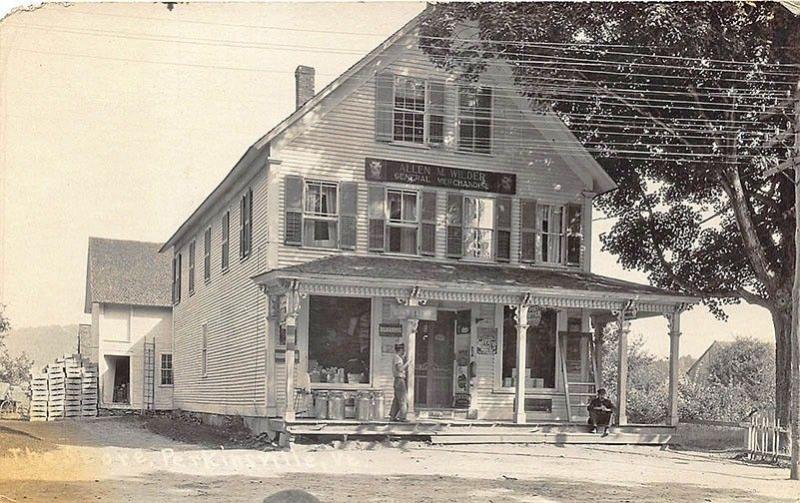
(402, 224)
(551, 233)
(409, 109)
(207, 255)
(204, 351)
(166, 369)
(479, 217)
(246, 224)
(191, 267)
(475, 119)
(320, 214)
(226, 240)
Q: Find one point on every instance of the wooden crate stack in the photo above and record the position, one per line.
(39, 398)
(67, 389)
(89, 389)
(56, 391)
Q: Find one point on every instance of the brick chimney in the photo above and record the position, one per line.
(304, 84)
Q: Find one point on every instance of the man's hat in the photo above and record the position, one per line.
(399, 345)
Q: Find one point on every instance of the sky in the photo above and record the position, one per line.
(116, 120)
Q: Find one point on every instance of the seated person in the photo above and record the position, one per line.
(600, 409)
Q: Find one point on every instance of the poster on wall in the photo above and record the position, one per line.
(487, 341)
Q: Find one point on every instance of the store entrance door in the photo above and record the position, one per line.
(434, 362)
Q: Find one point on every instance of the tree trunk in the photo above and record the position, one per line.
(782, 321)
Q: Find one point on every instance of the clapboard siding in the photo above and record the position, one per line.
(334, 147)
(234, 311)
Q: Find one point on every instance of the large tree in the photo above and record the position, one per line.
(683, 104)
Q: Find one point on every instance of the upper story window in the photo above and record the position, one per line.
(475, 119)
(402, 225)
(226, 240)
(191, 267)
(176, 279)
(246, 225)
(320, 214)
(409, 110)
(479, 218)
(551, 234)
(207, 255)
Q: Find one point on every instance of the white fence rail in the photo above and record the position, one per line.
(766, 438)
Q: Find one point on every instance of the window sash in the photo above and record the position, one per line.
(475, 117)
(551, 234)
(410, 112)
(321, 199)
(479, 223)
(402, 221)
(166, 369)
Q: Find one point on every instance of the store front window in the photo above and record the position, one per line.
(541, 351)
(339, 339)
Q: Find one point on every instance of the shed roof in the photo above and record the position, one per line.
(466, 274)
(127, 272)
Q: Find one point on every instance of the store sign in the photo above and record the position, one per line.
(390, 330)
(413, 313)
(385, 170)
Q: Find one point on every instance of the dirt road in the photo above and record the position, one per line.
(116, 459)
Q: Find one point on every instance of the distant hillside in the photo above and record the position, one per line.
(43, 344)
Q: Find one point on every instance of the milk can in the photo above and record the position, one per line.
(335, 405)
(320, 404)
(363, 406)
(378, 413)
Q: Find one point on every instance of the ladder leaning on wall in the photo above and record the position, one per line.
(148, 375)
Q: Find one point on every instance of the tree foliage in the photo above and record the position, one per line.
(13, 370)
(650, 89)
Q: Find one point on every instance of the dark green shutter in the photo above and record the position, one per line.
(455, 225)
(384, 95)
(428, 224)
(348, 209)
(377, 218)
(527, 241)
(293, 210)
(436, 113)
(502, 240)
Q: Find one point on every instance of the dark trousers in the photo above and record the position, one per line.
(599, 418)
(399, 403)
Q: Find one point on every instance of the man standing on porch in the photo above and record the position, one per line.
(399, 367)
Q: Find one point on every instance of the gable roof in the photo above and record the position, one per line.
(261, 147)
(127, 272)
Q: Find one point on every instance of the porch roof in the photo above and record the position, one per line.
(474, 279)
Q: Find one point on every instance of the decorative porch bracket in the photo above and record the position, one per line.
(674, 323)
(525, 315)
(627, 312)
(410, 326)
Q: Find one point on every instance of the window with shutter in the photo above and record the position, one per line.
(503, 229)
(293, 214)
(527, 241)
(410, 100)
(479, 227)
(428, 230)
(177, 284)
(226, 240)
(377, 218)
(402, 223)
(348, 211)
(574, 235)
(455, 240)
(550, 219)
(321, 214)
(246, 224)
(191, 267)
(475, 119)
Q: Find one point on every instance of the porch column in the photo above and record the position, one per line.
(410, 326)
(598, 344)
(674, 320)
(622, 371)
(291, 303)
(521, 319)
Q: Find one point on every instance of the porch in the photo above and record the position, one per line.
(523, 344)
(464, 431)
